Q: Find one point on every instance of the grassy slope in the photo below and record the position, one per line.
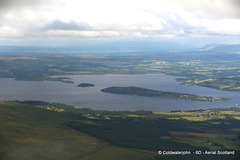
(28, 132)
(33, 133)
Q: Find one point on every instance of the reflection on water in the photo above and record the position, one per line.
(92, 97)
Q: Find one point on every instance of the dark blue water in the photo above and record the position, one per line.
(92, 97)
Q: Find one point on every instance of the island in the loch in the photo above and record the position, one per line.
(85, 85)
(137, 91)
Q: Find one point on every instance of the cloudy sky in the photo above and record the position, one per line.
(54, 22)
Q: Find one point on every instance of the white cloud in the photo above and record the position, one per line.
(212, 8)
(82, 34)
(10, 32)
(114, 18)
(8, 4)
(225, 26)
(59, 25)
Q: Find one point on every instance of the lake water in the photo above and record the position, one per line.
(92, 97)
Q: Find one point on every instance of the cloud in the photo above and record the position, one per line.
(8, 4)
(212, 8)
(114, 18)
(82, 34)
(59, 25)
(235, 4)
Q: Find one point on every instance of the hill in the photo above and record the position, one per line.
(29, 132)
(222, 48)
(41, 130)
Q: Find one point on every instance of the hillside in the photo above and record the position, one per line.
(28, 132)
(41, 130)
(222, 48)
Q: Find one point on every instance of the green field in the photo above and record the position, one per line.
(42, 130)
(214, 70)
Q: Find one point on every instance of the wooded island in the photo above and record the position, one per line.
(137, 91)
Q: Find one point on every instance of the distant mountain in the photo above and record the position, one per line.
(116, 47)
(94, 46)
(221, 48)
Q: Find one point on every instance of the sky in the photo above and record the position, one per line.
(72, 22)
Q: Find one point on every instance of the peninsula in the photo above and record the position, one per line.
(137, 91)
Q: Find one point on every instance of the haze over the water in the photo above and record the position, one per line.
(178, 23)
